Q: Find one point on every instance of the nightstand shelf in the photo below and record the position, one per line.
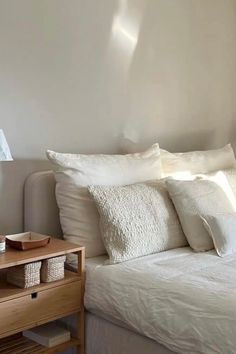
(18, 344)
(22, 309)
(8, 291)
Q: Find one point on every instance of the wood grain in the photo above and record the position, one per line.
(22, 309)
(18, 344)
(13, 257)
(27, 312)
(9, 291)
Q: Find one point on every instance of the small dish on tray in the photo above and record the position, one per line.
(27, 240)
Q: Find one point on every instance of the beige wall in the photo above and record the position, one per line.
(82, 76)
(76, 75)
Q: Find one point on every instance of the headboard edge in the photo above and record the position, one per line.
(41, 213)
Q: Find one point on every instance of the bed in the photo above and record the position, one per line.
(102, 336)
(176, 301)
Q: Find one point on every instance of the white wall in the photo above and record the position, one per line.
(75, 75)
(80, 75)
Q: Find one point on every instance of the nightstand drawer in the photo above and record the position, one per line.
(39, 307)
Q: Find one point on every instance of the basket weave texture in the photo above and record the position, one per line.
(53, 269)
(24, 276)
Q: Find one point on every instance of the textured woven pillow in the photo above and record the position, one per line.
(194, 162)
(137, 220)
(78, 215)
(195, 198)
(222, 229)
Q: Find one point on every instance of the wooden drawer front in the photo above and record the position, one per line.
(37, 308)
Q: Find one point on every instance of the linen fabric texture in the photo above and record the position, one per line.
(194, 162)
(195, 198)
(222, 229)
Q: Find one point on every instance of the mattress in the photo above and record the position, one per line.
(186, 301)
(103, 337)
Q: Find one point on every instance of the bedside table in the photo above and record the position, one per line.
(22, 309)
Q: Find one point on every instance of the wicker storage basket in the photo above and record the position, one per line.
(24, 276)
(53, 269)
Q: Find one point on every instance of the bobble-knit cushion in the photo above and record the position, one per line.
(137, 220)
(74, 172)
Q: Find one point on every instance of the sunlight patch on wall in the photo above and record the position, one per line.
(222, 181)
(125, 29)
(125, 32)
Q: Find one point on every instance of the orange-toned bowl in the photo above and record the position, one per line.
(27, 240)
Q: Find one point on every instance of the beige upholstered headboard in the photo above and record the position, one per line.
(41, 213)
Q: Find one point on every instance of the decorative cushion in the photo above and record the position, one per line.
(195, 162)
(192, 198)
(78, 215)
(222, 229)
(137, 220)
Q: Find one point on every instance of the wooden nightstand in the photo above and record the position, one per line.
(21, 309)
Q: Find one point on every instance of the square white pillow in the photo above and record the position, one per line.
(78, 214)
(137, 220)
(222, 229)
(195, 162)
(195, 198)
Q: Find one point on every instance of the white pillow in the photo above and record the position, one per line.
(222, 229)
(191, 163)
(137, 220)
(226, 179)
(78, 214)
(194, 198)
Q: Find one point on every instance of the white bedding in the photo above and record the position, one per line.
(183, 300)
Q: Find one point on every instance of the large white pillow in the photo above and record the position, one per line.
(195, 198)
(137, 220)
(226, 179)
(195, 162)
(222, 229)
(78, 214)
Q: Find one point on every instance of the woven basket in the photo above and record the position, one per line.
(53, 269)
(24, 276)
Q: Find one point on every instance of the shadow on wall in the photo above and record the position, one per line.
(190, 141)
(174, 142)
(12, 178)
(233, 134)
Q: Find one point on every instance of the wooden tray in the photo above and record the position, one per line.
(27, 240)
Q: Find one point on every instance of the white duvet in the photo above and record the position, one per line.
(183, 300)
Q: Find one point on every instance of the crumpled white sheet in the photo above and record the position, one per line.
(183, 300)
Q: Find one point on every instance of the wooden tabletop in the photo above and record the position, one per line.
(13, 257)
